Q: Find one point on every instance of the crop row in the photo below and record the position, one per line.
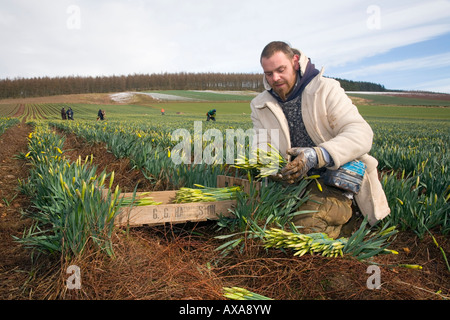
(71, 210)
(414, 159)
(5, 123)
(415, 162)
(149, 149)
(9, 110)
(413, 156)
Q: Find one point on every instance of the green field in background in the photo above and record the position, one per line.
(230, 110)
(405, 112)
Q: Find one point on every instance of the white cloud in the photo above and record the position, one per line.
(433, 61)
(399, 26)
(441, 86)
(145, 36)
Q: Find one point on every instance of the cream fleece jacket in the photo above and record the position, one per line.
(333, 123)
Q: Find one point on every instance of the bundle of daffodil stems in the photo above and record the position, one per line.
(267, 162)
(321, 243)
(311, 243)
(139, 201)
(237, 293)
(204, 194)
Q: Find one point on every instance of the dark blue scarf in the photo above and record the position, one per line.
(301, 82)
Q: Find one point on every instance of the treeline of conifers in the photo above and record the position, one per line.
(49, 86)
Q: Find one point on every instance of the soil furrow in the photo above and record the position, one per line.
(15, 261)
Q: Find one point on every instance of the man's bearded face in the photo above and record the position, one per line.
(280, 73)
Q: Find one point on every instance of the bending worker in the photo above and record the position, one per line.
(211, 114)
(69, 113)
(100, 114)
(319, 131)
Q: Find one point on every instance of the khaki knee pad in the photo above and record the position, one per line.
(330, 209)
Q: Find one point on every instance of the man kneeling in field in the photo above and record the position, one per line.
(320, 132)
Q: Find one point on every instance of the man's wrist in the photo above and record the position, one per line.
(323, 157)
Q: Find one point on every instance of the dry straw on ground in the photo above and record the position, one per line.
(180, 262)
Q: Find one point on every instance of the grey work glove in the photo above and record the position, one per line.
(306, 159)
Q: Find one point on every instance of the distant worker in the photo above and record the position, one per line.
(100, 115)
(63, 113)
(70, 113)
(162, 112)
(211, 114)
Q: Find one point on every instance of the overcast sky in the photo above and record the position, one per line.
(402, 44)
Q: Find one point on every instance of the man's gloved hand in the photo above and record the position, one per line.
(306, 159)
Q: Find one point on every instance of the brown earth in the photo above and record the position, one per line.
(105, 98)
(97, 98)
(14, 260)
(415, 95)
(20, 111)
(88, 98)
(180, 262)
